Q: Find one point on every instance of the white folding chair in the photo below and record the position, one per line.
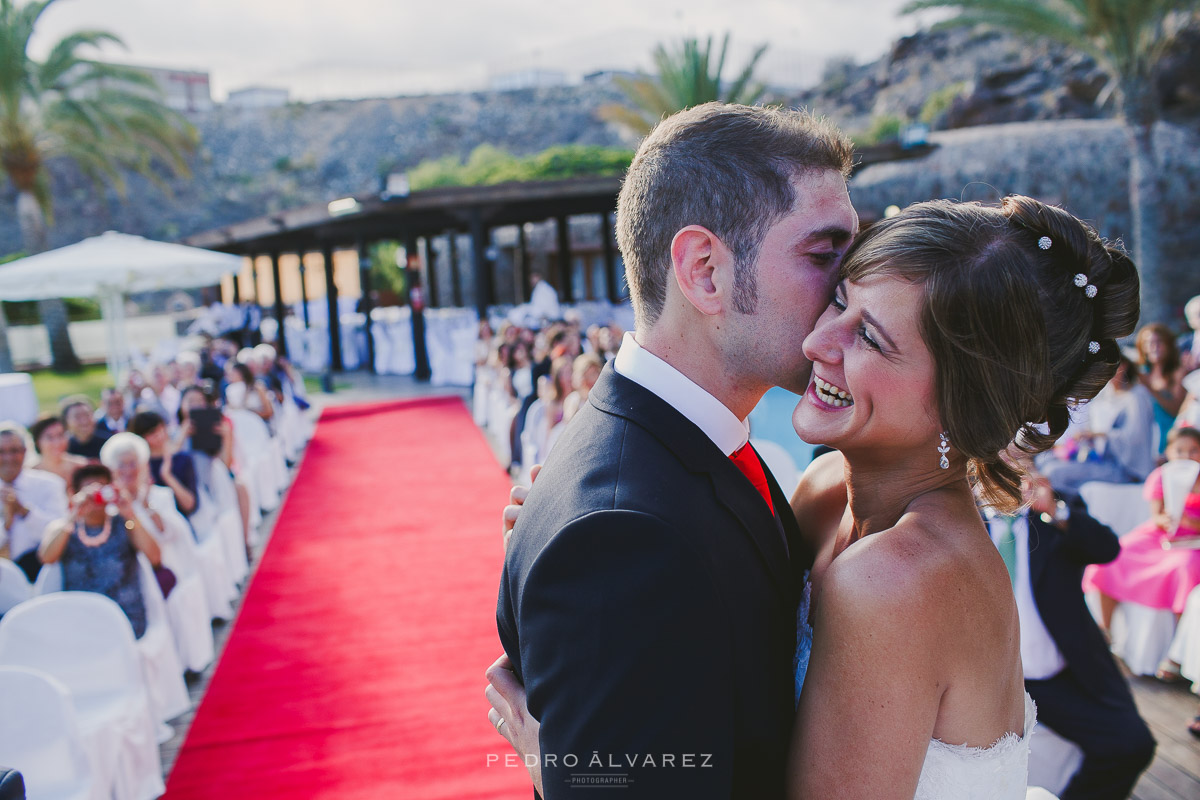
(187, 606)
(252, 441)
(40, 737)
(14, 586)
(160, 659)
(224, 497)
(1141, 635)
(1053, 760)
(85, 641)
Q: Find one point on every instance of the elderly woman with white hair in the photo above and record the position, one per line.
(128, 456)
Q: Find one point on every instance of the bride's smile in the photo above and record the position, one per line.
(872, 374)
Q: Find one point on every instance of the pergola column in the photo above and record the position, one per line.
(455, 277)
(521, 268)
(484, 291)
(610, 259)
(566, 279)
(364, 281)
(430, 272)
(303, 291)
(280, 339)
(331, 304)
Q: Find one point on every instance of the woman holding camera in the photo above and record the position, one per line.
(98, 543)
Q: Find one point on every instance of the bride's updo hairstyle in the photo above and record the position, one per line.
(1022, 308)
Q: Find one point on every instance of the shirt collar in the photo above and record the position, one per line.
(708, 413)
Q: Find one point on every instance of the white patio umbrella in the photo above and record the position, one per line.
(108, 267)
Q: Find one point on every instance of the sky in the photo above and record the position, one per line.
(322, 49)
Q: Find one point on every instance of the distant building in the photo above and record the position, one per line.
(184, 90)
(258, 97)
(527, 79)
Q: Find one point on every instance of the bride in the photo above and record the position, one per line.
(958, 330)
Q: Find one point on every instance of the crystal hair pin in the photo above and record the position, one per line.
(1093, 347)
(1081, 281)
(1044, 242)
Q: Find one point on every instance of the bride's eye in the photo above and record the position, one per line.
(866, 337)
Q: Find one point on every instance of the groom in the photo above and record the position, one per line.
(649, 593)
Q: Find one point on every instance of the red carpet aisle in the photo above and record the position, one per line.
(356, 667)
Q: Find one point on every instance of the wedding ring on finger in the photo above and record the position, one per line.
(500, 724)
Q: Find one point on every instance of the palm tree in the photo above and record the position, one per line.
(1128, 39)
(107, 119)
(687, 76)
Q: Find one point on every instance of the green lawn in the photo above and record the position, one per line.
(51, 387)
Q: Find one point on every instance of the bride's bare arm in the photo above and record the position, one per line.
(872, 692)
(820, 498)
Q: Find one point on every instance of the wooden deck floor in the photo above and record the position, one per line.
(1175, 772)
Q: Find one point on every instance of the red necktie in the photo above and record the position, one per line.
(747, 461)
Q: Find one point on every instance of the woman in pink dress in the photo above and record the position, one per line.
(1145, 573)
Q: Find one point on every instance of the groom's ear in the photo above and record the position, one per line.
(703, 268)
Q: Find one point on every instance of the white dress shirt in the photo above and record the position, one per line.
(1040, 656)
(708, 413)
(45, 495)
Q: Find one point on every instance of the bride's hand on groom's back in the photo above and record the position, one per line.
(510, 716)
(516, 499)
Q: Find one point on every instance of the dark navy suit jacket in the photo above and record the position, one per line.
(1056, 562)
(648, 604)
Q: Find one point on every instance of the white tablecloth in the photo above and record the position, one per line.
(17, 399)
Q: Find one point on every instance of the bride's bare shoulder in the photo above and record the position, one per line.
(822, 487)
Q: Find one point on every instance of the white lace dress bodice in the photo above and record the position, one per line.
(959, 772)
(950, 771)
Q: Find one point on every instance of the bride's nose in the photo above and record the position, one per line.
(823, 344)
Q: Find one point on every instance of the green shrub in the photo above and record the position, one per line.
(488, 165)
(938, 103)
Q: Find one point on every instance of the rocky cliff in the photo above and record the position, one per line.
(254, 162)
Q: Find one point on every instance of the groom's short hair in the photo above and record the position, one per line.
(727, 167)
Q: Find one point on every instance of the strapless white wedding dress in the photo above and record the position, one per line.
(952, 771)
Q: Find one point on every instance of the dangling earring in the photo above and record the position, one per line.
(944, 448)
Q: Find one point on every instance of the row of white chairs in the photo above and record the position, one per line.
(100, 736)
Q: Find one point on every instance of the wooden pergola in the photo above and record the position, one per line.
(361, 221)
(365, 219)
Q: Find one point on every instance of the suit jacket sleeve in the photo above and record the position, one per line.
(625, 652)
(1087, 541)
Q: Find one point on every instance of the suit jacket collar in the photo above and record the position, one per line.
(617, 395)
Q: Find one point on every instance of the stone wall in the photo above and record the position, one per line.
(1082, 165)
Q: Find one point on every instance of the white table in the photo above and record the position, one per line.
(17, 399)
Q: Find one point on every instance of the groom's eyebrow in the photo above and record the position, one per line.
(835, 233)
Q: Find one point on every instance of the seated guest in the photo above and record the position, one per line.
(50, 441)
(1116, 443)
(1189, 343)
(79, 416)
(111, 417)
(128, 457)
(168, 465)
(220, 457)
(98, 542)
(243, 390)
(29, 500)
(1145, 573)
(1161, 373)
(1078, 688)
(585, 371)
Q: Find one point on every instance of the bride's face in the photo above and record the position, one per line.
(872, 388)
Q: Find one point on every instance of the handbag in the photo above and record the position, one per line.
(166, 582)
